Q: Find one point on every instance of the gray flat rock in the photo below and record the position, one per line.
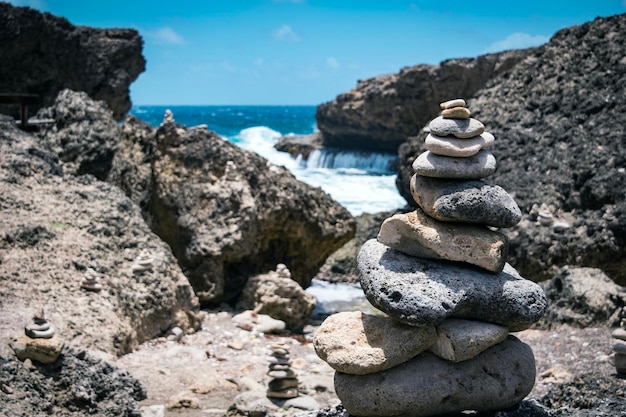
(473, 201)
(459, 340)
(460, 128)
(458, 148)
(497, 379)
(425, 292)
(417, 234)
(477, 166)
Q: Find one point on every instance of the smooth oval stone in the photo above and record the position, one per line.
(619, 333)
(33, 332)
(278, 367)
(417, 234)
(289, 373)
(619, 346)
(286, 393)
(456, 113)
(620, 363)
(358, 343)
(459, 340)
(497, 379)
(465, 201)
(457, 102)
(457, 148)
(480, 165)
(425, 292)
(460, 128)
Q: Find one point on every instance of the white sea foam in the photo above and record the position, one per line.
(352, 179)
(329, 292)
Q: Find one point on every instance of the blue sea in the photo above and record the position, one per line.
(361, 182)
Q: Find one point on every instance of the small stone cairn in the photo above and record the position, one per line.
(440, 275)
(38, 342)
(91, 281)
(619, 344)
(143, 263)
(284, 382)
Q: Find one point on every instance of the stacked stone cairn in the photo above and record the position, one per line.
(619, 344)
(91, 281)
(143, 263)
(38, 342)
(440, 275)
(284, 382)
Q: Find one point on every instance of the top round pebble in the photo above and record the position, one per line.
(457, 102)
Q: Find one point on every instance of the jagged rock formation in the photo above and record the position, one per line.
(558, 118)
(52, 229)
(43, 54)
(225, 225)
(84, 135)
(75, 385)
(380, 113)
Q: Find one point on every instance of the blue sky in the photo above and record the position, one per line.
(309, 51)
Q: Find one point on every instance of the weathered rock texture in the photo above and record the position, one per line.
(558, 118)
(84, 135)
(226, 228)
(583, 297)
(380, 113)
(44, 54)
(75, 385)
(53, 228)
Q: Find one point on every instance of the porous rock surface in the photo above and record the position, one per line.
(226, 228)
(558, 119)
(380, 113)
(77, 384)
(53, 228)
(420, 291)
(84, 135)
(43, 54)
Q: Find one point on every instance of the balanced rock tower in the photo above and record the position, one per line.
(450, 300)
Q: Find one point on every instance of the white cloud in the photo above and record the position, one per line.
(516, 40)
(166, 35)
(286, 33)
(332, 62)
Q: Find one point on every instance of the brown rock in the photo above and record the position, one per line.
(456, 113)
(358, 343)
(41, 350)
(417, 234)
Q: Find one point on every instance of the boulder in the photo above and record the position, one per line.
(497, 379)
(419, 291)
(558, 121)
(582, 297)
(359, 343)
(84, 135)
(227, 213)
(299, 145)
(54, 229)
(76, 382)
(44, 54)
(45, 351)
(278, 297)
(380, 113)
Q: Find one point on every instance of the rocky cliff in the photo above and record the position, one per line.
(43, 54)
(226, 213)
(380, 113)
(55, 231)
(558, 117)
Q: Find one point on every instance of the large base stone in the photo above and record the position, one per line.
(496, 379)
(421, 292)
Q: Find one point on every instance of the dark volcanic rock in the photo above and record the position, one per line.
(558, 118)
(84, 136)
(380, 113)
(582, 297)
(75, 385)
(299, 145)
(44, 54)
(52, 229)
(226, 222)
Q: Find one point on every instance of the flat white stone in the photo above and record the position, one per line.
(480, 165)
(459, 148)
(460, 128)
